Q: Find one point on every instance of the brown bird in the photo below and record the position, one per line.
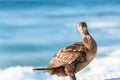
(71, 59)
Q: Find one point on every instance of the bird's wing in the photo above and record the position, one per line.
(69, 55)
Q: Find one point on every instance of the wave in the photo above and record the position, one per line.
(26, 73)
(106, 24)
(100, 65)
(107, 56)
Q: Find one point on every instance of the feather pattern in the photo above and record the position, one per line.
(73, 58)
(69, 54)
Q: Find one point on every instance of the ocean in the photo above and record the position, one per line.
(32, 31)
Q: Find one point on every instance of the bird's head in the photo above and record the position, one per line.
(82, 27)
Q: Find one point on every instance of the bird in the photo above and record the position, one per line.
(71, 59)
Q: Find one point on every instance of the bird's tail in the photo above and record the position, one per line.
(42, 69)
(55, 70)
(50, 70)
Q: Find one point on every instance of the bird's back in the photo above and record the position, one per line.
(68, 58)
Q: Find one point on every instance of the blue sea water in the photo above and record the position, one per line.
(114, 79)
(31, 32)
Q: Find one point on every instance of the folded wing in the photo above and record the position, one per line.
(75, 53)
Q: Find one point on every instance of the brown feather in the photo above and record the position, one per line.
(73, 58)
(68, 57)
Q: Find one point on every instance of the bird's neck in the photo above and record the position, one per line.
(89, 42)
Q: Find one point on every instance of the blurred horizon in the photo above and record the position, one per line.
(32, 31)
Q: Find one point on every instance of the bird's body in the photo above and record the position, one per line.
(73, 58)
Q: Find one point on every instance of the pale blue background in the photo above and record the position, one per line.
(31, 32)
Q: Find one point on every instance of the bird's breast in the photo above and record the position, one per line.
(89, 57)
